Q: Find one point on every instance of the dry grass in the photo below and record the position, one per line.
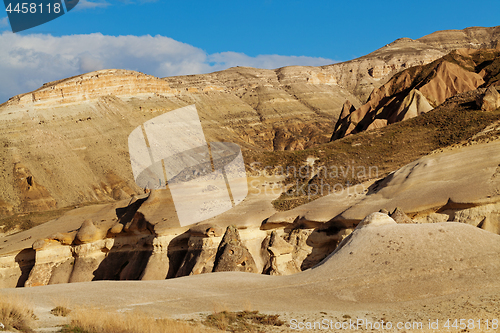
(98, 321)
(60, 311)
(243, 321)
(15, 314)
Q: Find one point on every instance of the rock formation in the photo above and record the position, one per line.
(32, 195)
(398, 270)
(280, 260)
(399, 216)
(443, 186)
(65, 123)
(203, 244)
(419, 89)
(474, 37)
(93, 85)
(440, 187)
(232, 255)
(88, 233)
(490, 101)
(78, 129)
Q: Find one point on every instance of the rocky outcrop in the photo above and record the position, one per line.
(399, 216)
(93, 252)
(363, 75)
(16, 268)
(490, 101)
(439, 183)
(420, 89)
(441, 187)
(449, 79)
(232, 255)
(347, 109)
(474, 37)
(413, 105)
(402, 266)
(78, 128)
(375, 220)
(203, 244)
(32, 195)
(116, 82)
(88, 233)
(84, 133)
(50, 260)
(280, 256)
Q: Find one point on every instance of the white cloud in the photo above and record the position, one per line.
(4, 22)
(28, 61)
(232, 59)
(85, 4)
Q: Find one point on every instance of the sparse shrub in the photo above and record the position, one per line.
(243, 321)
(60, 311)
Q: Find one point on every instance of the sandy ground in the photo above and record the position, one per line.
(297, 313)
(397, 273)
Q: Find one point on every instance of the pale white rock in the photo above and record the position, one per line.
(375, 220)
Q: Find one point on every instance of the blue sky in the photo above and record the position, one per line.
(166, 38)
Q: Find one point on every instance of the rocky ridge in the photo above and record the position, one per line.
(420, 89)
(70, 136)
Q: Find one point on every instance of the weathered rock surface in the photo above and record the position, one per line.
(79, 126)
(375, 220)
(89, 86)
(413, 105)
(437, 182)
(202, 249)
(419, 89)
(232, 255)
(281, 261)
(474, 37)
(399, 216)
(32, 195)
(389, 265)
(443, 186)
(82, 124)
(490, 101)
(48, 260)
(88, 233)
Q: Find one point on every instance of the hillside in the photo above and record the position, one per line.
(400, 211)
(420, 89)
(393, 218)
(65, 144)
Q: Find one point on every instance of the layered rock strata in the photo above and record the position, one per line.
(419, 89)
